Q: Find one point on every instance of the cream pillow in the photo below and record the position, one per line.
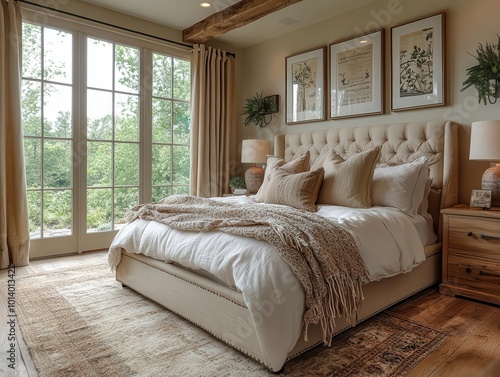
(299, 190)
(297, 165)
(348, 182)
(401, 186)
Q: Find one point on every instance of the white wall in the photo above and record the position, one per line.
(468, 23)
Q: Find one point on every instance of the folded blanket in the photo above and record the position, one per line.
(322, 255)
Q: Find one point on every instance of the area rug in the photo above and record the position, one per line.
(81, 322)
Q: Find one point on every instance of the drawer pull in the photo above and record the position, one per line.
(484, 273)
(468, 270)
(469, 234)
(486, 237)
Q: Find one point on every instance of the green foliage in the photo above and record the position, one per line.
(488, 68)
(162, 76)
(237, 182)
(255, 109)
(181, 165)
(57, 209)
(127, 68)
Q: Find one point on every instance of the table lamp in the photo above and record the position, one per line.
(254, 151)
(485, 145)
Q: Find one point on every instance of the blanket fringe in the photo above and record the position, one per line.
(335, 306)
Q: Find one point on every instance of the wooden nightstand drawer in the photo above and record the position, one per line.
(475, 273)
(471, 253)
(479, 235)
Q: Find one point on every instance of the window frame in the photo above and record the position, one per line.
(147, 46)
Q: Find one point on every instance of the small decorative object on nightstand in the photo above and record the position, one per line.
(237, 185)
(254, 151)
(471, 253)
(481, 199)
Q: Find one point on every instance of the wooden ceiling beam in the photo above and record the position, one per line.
(233, 17)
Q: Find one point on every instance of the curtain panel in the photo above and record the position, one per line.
(14, 227)
(213, 118)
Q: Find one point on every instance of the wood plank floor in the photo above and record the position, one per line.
(473, 348)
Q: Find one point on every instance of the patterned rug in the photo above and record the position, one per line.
(81, 322)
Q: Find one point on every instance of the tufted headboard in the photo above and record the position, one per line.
(400, 143)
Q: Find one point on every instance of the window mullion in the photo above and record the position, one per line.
(80, 137)
(146, 121)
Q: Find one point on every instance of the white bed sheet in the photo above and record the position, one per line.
(387, 240)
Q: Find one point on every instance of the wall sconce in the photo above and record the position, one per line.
(494, 91)
(259, 110)
(254, 151)
(485, 145)
(272, 106)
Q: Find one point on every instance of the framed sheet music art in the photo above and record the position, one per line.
(357, 76)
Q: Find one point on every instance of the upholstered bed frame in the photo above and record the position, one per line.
(222, 312)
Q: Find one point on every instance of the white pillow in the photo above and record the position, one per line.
(400, 186)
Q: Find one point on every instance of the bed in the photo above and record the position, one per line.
(213, 303)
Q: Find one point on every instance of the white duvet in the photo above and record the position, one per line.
(387, 240)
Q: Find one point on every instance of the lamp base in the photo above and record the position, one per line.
(491, 181)
(254, 176)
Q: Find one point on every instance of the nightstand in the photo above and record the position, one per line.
(471, 253)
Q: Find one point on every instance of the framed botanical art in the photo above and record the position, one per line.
(305, 86)
(357, 76)
(417, 63)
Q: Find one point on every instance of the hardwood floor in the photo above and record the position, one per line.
(472, 349)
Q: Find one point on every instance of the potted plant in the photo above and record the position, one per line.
(257, 107)
(485, 76)
(237, 184)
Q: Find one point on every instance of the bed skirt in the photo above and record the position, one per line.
(222, 311)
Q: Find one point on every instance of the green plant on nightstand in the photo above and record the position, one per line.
(237, 183)
(485, 76)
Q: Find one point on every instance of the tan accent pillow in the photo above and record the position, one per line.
(348, 182)
(299, 190)
(297, 165)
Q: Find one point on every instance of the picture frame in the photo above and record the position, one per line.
(272, 104)
(481, 199)
(357, 76)
(418, 63)
(305, 86)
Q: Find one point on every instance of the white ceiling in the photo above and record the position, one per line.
(180, 14)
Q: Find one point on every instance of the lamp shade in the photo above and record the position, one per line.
(254, 151)
(485, 140)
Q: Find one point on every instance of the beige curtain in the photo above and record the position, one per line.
(213, 118)
(14, 229)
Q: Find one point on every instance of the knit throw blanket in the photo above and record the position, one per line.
(322, 255)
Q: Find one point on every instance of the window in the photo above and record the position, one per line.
(112, 133)
(101, 134)
(47, 125)
(171, 91)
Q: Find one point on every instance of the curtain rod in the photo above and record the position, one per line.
(105, 23)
